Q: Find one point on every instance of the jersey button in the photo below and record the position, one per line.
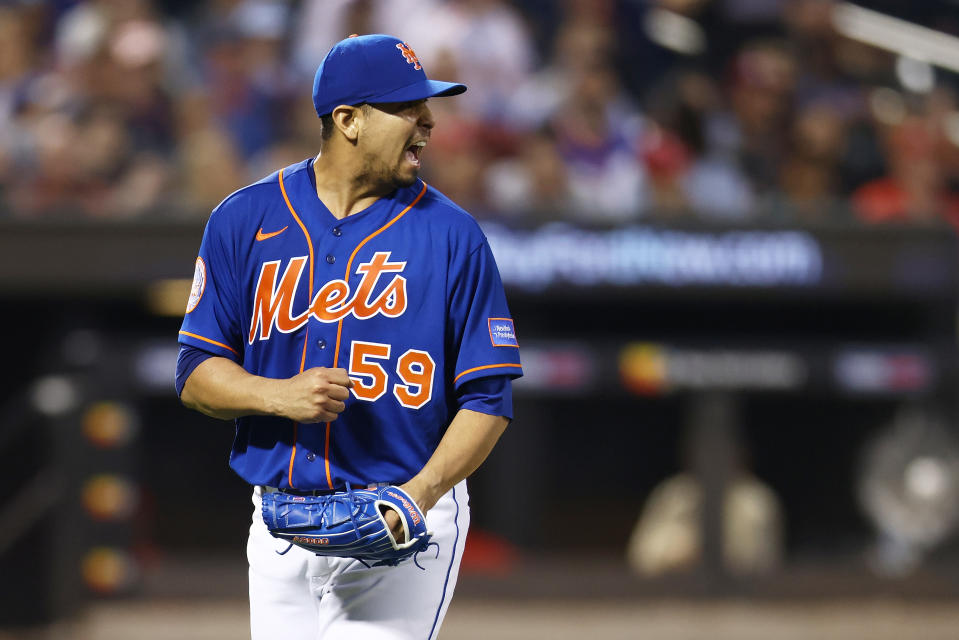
(311, 456)
(321, 343)
(330, 259)
(337, 231)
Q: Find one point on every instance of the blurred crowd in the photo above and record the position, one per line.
(589, 111)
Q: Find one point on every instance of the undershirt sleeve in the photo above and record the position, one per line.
(492, 395)
(187, 360)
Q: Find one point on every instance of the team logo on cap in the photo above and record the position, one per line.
(409, 54)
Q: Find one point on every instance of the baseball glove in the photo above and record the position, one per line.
(349, 524)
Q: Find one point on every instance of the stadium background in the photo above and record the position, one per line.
(727, 230)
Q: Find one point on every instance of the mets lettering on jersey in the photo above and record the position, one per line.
(404, 295)
(272, 302)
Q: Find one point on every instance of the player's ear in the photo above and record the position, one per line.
(346, 119)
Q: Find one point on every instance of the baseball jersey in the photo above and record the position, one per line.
(404, 295)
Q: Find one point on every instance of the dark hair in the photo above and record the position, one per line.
(327, 122)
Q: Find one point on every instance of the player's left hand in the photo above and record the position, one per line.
(393, 522)
(393, 518)
(425, 499)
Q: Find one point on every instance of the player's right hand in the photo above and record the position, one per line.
(315, 395)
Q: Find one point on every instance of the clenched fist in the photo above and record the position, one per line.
(315, 395)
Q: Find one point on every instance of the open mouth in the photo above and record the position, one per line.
(413, 153)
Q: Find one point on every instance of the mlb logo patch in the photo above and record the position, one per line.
(502, 333)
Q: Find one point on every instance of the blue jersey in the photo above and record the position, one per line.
(404, 295)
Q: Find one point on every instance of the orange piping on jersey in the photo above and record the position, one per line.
(485, 366)
(386, 226)
(339, 325)
(289, 473)
(309, 243)
(219, 344)
(326, 457)
(306, 339)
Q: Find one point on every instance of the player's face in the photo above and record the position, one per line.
(397, 132)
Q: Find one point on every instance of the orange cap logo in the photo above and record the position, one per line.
(409, 54)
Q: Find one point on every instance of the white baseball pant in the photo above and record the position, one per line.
(302, 596)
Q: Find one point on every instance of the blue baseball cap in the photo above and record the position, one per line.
(373, 68)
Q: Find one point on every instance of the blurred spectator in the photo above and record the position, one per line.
(301, 128)
(463, 146)
(831, 68)
(836, 73)
(809, 178)
(534, 183)
(583, 163)
(709, 178)
(761, 84)
(597, 140)
(667, 161)
(915, 188)
(247, 76)
(579, 47)
(210, 164)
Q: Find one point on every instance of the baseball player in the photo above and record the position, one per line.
(351, 319)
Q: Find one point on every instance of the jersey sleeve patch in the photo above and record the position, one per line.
(199, 285)
(502, 333)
